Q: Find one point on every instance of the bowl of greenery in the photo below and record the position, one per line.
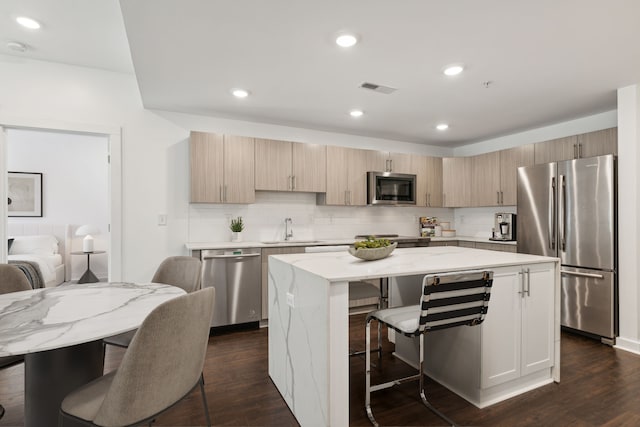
(372, 248)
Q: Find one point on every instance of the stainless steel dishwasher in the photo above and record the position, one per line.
(235, 274)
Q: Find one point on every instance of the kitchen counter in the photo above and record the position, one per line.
(515, 350)
(473, 239)
(197, 246)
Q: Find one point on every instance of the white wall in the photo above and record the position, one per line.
(628, 211)
(74, 168)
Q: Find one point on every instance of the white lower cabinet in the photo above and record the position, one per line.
(511, 352)
(517, 335)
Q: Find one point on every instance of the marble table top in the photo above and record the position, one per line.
(50, 318)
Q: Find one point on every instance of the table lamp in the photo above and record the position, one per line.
(87, 231)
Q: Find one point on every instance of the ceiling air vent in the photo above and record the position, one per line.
(378, 88)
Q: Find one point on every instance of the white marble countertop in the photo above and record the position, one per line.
(194, 246)
(342, 266)
(50, 318)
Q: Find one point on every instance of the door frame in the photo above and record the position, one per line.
(114, 196)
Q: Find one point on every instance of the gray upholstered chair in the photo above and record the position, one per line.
(11, 280)
(447, 300)
(181, 271)
(162, 365)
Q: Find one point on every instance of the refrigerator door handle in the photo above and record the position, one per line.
(578, 274)
(552, 215)
(562, 228)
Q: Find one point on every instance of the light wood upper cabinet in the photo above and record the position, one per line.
(273, 165)
(578, 146)
(384, 161)
(428, 171)
(222, 168)
(290, 166)
(206, 160)
(239, 169)
(494, 179)
(434, 181)
(485, 179)
(346, 177)
(309, 168)
(510, 161)
(456, 181)
(556, 150)
(598, 143)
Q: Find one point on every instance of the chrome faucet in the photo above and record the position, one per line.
(288, 231)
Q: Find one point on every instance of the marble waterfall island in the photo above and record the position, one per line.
(515, 350)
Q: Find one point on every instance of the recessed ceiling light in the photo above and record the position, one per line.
(442, 126)
(453, 70)
(28, 22)
(240, 93)
(356, 113)
(346, 40)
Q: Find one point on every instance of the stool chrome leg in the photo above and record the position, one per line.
(367, 399)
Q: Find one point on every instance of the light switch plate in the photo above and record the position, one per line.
(162, 219)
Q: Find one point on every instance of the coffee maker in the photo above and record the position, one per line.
(504, 227)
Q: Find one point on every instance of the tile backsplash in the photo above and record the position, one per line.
(264, 219)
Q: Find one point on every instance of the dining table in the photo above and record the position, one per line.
(59, 331)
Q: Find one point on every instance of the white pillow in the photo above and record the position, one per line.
(37, 245)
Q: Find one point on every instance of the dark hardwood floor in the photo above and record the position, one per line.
(599, 386)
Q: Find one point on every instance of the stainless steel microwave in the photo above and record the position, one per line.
(390, 188)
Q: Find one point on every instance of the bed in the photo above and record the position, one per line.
(41, 251)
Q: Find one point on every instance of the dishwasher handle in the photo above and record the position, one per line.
(229, 256)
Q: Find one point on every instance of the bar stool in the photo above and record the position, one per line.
(447, 300)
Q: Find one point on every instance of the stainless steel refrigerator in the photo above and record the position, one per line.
(568, 210)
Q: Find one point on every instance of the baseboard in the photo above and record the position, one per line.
(626, 344)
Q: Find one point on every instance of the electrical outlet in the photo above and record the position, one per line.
(162, 219)
(290, 300)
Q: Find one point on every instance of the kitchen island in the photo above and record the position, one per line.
(516, 349)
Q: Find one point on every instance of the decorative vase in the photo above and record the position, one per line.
(236, 236)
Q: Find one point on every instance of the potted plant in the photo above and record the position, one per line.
(236, 228)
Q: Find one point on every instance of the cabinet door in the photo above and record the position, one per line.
(486, 179)
(598, 143)
(309, 167)
(456, 181)
(465, 244)
(357, 177)
(510, 161)
(419, 168)
(434, 181)
(400, 163)
(377, 161)
(337, 175)
(273, 165)
(206, 167)
(556, 150)
(239, 169)
(537, 318)
(501, 329)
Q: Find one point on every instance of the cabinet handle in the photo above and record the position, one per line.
(580, 150)
(575, 151)
(225, 193)
(293, 182)
(528, 282)
(502, 198)
(497, 197)
(221, 194)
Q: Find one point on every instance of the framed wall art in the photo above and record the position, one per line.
(24, 194)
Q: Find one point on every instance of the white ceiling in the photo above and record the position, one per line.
(548, 61)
